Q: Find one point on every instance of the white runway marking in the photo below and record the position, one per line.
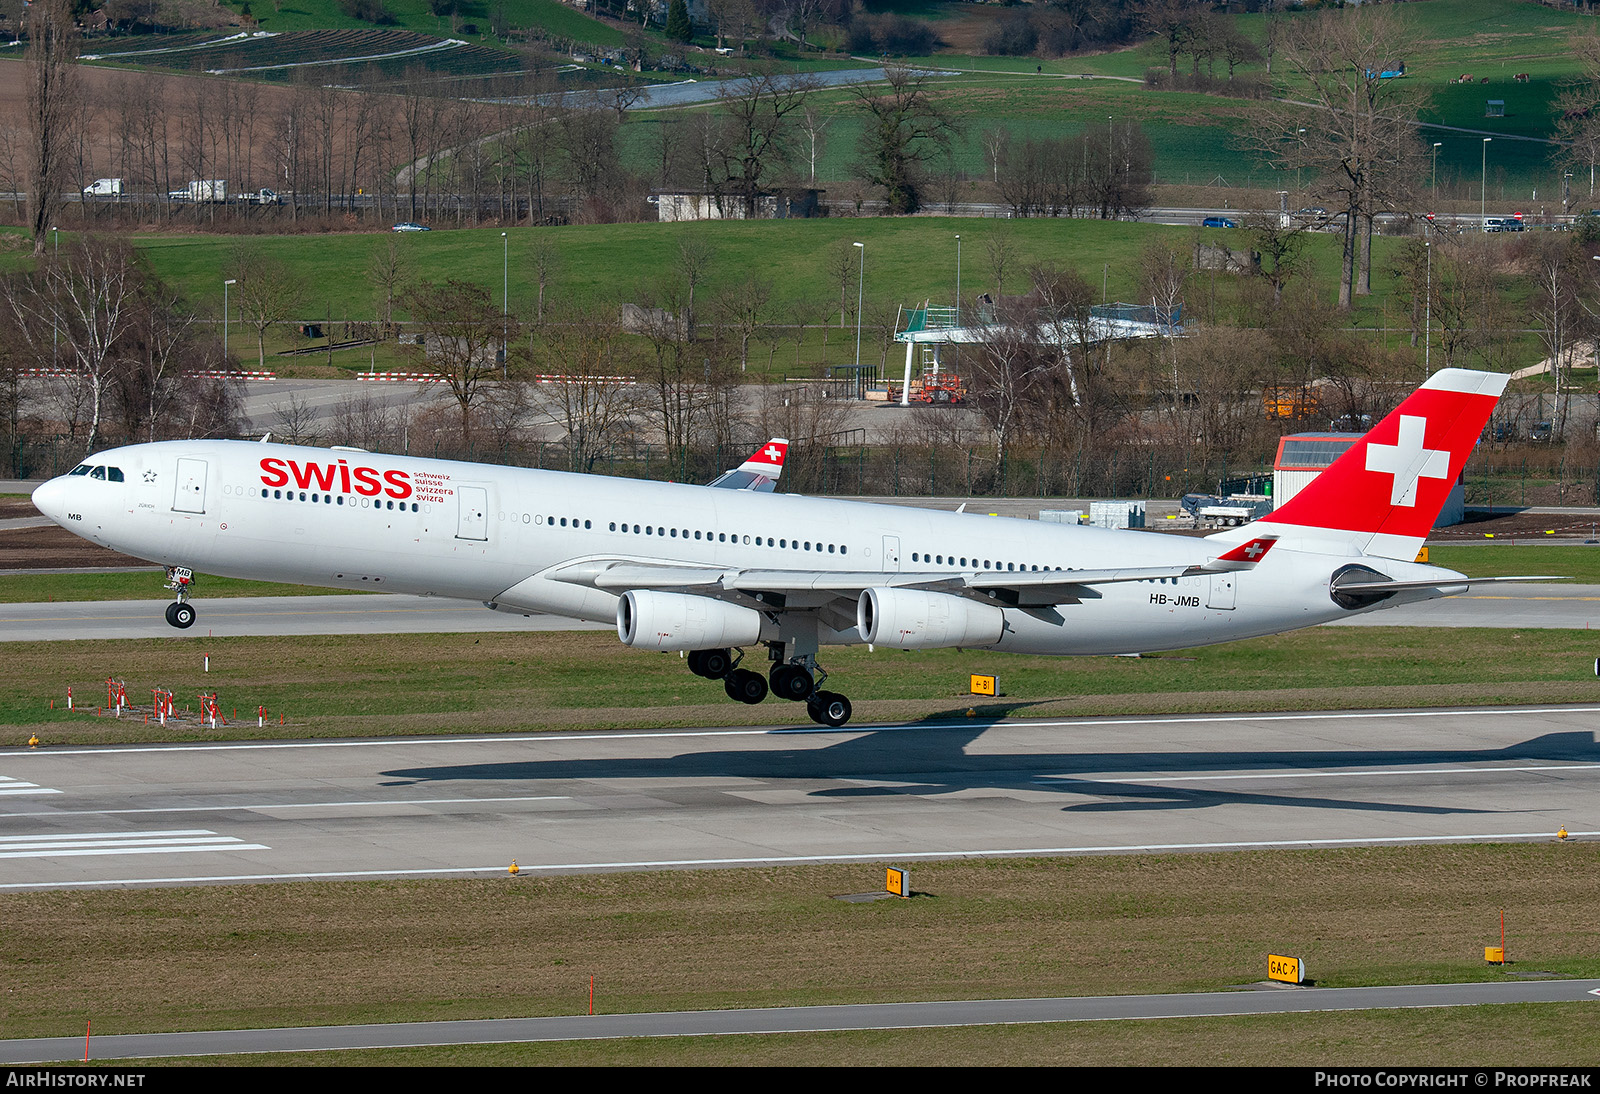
(78, 844)
(976, 725)
(255, 806)
(10, 787)
(804, 860)
(1487, 769)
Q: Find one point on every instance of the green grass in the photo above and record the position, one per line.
(136, 585)
(366, 685)
(553, 17)
(1581, 564)
(230, 957)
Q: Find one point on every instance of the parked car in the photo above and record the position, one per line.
(1541, 431)
(1217, 222)
(407, 226)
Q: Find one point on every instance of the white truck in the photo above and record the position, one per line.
(258, 197)
(208, 190)
(104, 188)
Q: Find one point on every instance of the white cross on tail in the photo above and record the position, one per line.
(1408, 461)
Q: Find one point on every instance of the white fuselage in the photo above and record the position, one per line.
(355, 520)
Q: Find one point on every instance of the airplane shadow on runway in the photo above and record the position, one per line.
(929, 760)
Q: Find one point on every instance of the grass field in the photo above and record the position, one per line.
(366, 685)
(222, 957)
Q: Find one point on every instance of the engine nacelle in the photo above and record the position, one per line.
(908, 619)
(650, 620)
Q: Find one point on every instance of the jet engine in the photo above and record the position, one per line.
(908, 619)
(673, 621)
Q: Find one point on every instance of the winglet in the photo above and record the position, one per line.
(760, 472)
(1243, 557)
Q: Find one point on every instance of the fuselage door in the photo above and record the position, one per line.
(473, 520)
(891, 554)
(190, 495)
(1222, 591)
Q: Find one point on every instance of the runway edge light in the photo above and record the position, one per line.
(1286, 970)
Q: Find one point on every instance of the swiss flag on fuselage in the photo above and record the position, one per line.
(1394, 480)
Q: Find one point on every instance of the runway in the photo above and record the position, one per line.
(818, 1019)
(1517, 606)
(378, 613)
(728, 797)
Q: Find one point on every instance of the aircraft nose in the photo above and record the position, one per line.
(51, 499)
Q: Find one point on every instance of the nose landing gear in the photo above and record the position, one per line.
(180, 613)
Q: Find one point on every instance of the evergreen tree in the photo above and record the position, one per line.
(679, 29)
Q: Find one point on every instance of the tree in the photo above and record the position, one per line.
(1358, 135)
(1281, 247)
(463, 331)
(761, 112)
(679, 28)
(389, 270)
(83, 305)
(268, 293)
(592, 392)
(906, 126)
(54, 102)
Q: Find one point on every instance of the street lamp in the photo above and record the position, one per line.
(861, 284)
(1427, 314)
(1436, 146)
(55, 322)
(1483, 186)
(958, 279)
(225, 284)
(505, 304)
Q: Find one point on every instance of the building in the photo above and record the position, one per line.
(781, 203)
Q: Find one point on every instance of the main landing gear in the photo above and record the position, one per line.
(796, 680)
(180, 613)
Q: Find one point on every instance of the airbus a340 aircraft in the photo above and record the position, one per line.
(716, 571)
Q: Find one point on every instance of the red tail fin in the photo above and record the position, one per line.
(1385, 492)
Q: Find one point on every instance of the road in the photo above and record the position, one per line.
(128, 815)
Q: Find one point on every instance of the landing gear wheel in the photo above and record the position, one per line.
(180, 615)
(745, 686)
(791, 682)
(828, 708)
(714, 664)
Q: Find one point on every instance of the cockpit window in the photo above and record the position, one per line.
(114, 474)
(98, 473)
(81, 469)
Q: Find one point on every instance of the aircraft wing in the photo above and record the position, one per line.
(813, 588)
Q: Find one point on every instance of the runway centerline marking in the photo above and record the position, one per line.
(256, 806)
(1430, 771)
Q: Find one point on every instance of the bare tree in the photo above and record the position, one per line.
(1358, 133)
(761, 113)
(462, 335)
(389, 270)
(906, 126)
(1281, 247)
(85, 303)
(588, 391)
(54, 103)
(268, 294)
(743, 307)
